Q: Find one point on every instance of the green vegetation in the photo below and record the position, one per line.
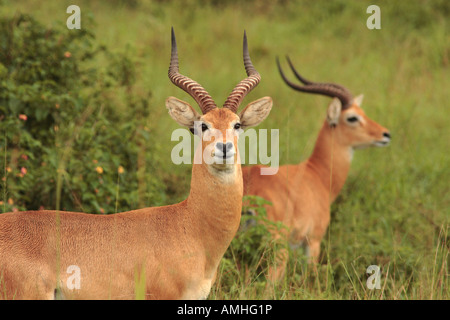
(94, 102)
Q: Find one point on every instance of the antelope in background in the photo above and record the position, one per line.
(176, 248)
(301, 194)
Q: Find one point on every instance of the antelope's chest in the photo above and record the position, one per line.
(198, 290)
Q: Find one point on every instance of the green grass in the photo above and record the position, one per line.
(394, 209)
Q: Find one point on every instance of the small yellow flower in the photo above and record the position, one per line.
(10, 201)
(99, 170)
(120, 170)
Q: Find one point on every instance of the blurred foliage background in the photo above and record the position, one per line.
(83, 125)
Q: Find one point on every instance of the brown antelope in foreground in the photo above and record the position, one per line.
(301, 194)
(175, 248)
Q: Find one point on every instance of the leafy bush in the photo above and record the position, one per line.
(64, 142)
(254, 246)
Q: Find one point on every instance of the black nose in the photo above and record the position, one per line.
(387, 135)
(224, 147)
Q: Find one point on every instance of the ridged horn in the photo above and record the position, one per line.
(245, 86)
(327, 89)
(193, 88)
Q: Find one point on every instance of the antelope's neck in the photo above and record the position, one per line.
(330, 160)
(215, 201)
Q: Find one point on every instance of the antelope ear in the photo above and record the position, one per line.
(358, 100)
(255, 112)
(333, 112)
(182, 112)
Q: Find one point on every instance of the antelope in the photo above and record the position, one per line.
(301, 194)
(176, 249)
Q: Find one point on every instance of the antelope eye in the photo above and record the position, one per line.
(352, 119)
(204, 127)
(237, 126)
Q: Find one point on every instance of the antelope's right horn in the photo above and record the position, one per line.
(193, 88)
(327, 89)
